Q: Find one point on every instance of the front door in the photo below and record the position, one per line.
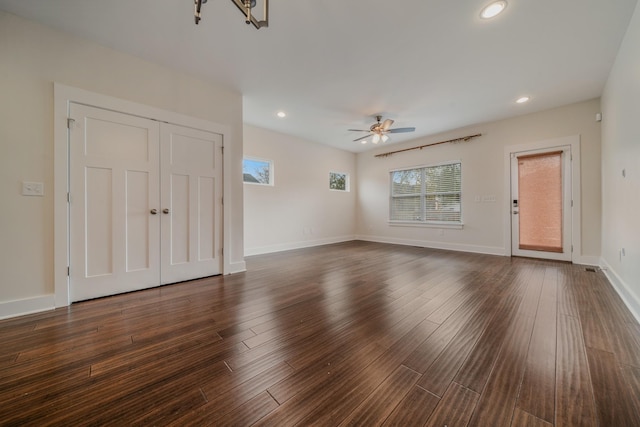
(541, 203)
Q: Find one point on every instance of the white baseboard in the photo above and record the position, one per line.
(296, 245)
(628, 297)
(237, 267)
(26, 306)
(487, 250)
(587, 260)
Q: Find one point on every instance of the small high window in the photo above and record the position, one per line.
(339, 181)
(257, 171)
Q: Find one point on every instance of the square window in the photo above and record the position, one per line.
(257, 171)
(339, 181)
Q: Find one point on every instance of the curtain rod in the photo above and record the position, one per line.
(464, 138)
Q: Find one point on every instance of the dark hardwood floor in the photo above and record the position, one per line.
(348, 334)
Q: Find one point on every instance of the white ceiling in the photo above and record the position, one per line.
(333, 64)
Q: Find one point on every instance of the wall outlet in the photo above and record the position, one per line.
(32, 189)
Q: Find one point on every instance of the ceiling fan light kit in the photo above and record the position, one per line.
(377, 138)
(245, 7)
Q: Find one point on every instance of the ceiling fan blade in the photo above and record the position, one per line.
(401, 130)
(387, 124)
(361, 138)
(358, 130)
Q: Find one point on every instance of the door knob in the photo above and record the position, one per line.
(154, 211)
(165, 211)
(515, 212)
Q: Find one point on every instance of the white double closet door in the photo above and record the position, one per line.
(145, 203)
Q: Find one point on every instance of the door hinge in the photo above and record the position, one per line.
(70, 122)
(571, 248)
(222, 251)
(572, 203)
(68, 271)
(68, 197)
(222, 201)
(222, 149)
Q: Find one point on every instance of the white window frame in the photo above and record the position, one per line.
(271, 182)
(423, 194)
(347, 181)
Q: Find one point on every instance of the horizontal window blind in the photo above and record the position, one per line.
(428, 194)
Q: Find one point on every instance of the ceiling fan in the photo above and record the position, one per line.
(380, 130)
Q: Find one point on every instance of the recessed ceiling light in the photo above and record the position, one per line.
(493, 9)
(522, 99)
(281, 114)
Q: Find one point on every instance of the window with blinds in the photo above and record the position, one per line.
(431, 194)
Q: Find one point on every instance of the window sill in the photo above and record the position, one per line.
(447, 225)
(259, 184)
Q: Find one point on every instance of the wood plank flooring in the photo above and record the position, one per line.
(357, 333)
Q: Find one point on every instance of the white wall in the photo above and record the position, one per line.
(482, 175)
(33, 58)
(299, 210)
(621, 151)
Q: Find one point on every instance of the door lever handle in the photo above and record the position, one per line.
(515, 212)
(165, 211)
(153, 211)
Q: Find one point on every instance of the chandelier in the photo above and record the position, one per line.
(245, 7)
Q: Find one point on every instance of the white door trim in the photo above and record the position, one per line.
(63, 96)
(576, 224)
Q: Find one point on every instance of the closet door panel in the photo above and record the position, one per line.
(191, 203)
(114, 186)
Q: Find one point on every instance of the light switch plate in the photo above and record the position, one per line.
(32, 189)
